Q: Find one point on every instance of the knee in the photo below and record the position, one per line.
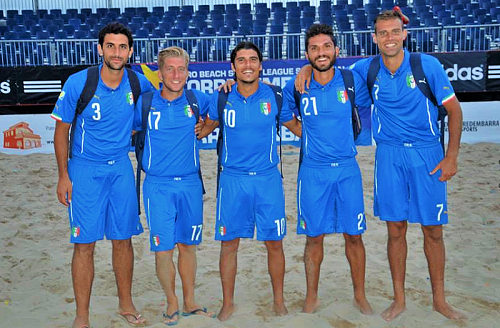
(315, 241)
(230, 246)
(353, 240)
(274, 245)
(86, 250)
(433, 233)
(164, 255)
(397, 230)
(122, 244)
(186, 249)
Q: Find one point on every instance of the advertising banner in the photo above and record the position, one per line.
(481, 122)
(27, 134)
(33, 85)
(493, 72)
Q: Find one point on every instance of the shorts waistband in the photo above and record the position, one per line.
(159, 179)
(232, 171)
(100, 162)
(415, 144)
(343, 162)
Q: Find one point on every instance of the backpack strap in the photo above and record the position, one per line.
(193, 103)
(135, 84)
(351, 94)
(85, 97)
(421, 81)
(278, 95)
(221, 104)
(140, 140)
(297, 96)
(372, 74)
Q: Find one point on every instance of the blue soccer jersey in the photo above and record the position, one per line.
(402, 113)
(249, 141)
(171, 146)
(103, 130)
(326, 118)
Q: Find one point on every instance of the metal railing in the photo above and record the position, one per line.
(273, 46)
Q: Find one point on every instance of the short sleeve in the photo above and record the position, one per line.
(64, 109)
(289, 105)
(362, 97)
(438, 79)
(204, 102)
(212, 110)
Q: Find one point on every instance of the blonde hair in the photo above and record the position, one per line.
(172, 52)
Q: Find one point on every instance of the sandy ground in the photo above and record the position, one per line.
(35, 280)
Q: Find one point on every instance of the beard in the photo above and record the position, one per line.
(323, 69)
(115, 67)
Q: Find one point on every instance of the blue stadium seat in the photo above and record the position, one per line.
(72, 12)
(81, 34)
(141, 34)
(52, 29)
(86, 11)
(69, 29)
(60, 35)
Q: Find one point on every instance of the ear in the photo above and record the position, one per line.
(99, 50)
(405, 34)
(374, 37)
(130, 52)
(337, 50)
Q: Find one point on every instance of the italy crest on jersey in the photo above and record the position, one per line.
(410, 81)
(265, 108)
(130, 98)
(156, 240)
(303, 224)
(188, 111)
(222, 230)
(342, 96)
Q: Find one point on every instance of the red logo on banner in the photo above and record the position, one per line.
(20, 136)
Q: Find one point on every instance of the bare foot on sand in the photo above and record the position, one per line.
(280, 309)
(363, 306)
(310, 306)
(226, 312)
(393, 311)
(449, 312)
(81, 322)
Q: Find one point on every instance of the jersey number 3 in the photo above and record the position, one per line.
(97, 111)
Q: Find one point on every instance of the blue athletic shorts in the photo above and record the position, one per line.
(103, 201)
(403, 187)
(330, 199)
(248, 200)
(174, 211)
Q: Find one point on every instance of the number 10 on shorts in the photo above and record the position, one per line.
(280, 226)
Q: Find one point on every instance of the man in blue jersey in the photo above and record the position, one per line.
(329, 186)
(410, 168)
(173, 192)
(97, 183)
(250, 191)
